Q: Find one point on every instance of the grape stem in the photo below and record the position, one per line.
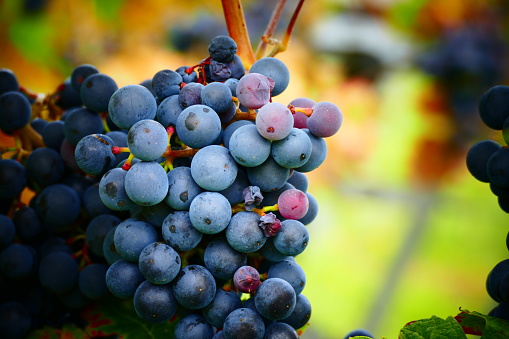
(306, 111)
(237, 29)
(271, 28)
(283, 45)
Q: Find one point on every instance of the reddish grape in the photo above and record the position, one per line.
(246, 279)
(293, 204)
(325, 120)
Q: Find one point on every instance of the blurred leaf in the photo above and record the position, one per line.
(433, 327)
(479, 324)
(108, 10)
(32, 36)
(119, 317)
(67, 332)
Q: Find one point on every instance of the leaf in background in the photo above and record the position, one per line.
(114, 316)
(67, 332)
(434, 327)
(485, 325)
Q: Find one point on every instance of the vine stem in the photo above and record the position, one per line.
(271, 28)
(237, 29)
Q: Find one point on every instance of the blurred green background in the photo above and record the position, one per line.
(404, 232)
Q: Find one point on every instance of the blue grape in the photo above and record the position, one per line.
(166, 83)
(187, 78)
(120, 140)
(12, 178)
(271, 253)
(221, 259)
(96, 91)
(194, 287)
(130, 104)
(312, 210)
(80, 73)
(222, 48)
(179, 232)
(93, 154)
(154, 303)
(359, 333)
(131, 237)
(92, 202)
(228, 132)
(292, 238)
(236, 67)
(8, 81)
(248, 147)
(58, 272)
(182, 189)
(168, 111)
(290, 271)
(97, 229)
(193, 326)
(147, 140)
(146, 183)
(15, 320)
(274, 69)
(232, 85)
(112, 190)
(53, 134)
(44, 167)
(244, 234)
(159, 263)
(156, 214)
(123, 278)
(243, 323)
(198, 126)
(73, 299)
(16, 262)
(92, 281)
(478, 156)
(66, 96)
(497, 168)
(234, 192)
(299, 181)
(190, 94)
(280, 330)
(217, 96)
(210, 212)
(39, 124)
(80, 123)
(223, 304)
(15, 111)
(109, 251)
(274, 121)
(213, 168)
(268, 176)
(292, 151)
(494, 107)
(7, 230)
(58, 206)
(318, 153)
(275, 299)
(28, 225)
(301, 313)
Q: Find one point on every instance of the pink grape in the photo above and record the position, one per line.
(253, 90)
(274, 121)
(325, 120)
(293, 204)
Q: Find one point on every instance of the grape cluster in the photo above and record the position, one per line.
(488, 162)
(186, 194)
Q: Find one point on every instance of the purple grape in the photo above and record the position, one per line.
(274, 121)
(273, 69)
(325, 120)
(246, 279)
(253, 90)
(293, 204)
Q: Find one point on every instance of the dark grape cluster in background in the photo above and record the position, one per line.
(186, 194)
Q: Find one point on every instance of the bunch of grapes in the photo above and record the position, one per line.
(488, 162)
(186, 194)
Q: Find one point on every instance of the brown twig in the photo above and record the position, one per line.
(283, 45)
(237, 29)
(271, 28)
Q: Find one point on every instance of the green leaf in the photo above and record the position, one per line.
(115, 316)
(67, 331)
(479, 324)
(433, 328)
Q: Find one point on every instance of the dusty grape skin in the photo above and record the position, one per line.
(269, 176)
(159, 263)
(146, 183)
(179, 232)
(182, 189)
(253, 90)
(248, 147)
(292, 239)
(301, 313)
(326, 119)
(147, 140)
(244, 234)
(292, 151)
(131, 237)
(96, 91)
(154, 303)
(213, 168)
(194, 287)
(112, 190)
(210, 212)
(93, 154)
(290, 271)
(243, 323)
(274, 121)
(274, 69)
(198, 126)
(221, 259)
(190, 94)
(223, 304)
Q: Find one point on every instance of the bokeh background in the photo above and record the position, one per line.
(404, 232)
